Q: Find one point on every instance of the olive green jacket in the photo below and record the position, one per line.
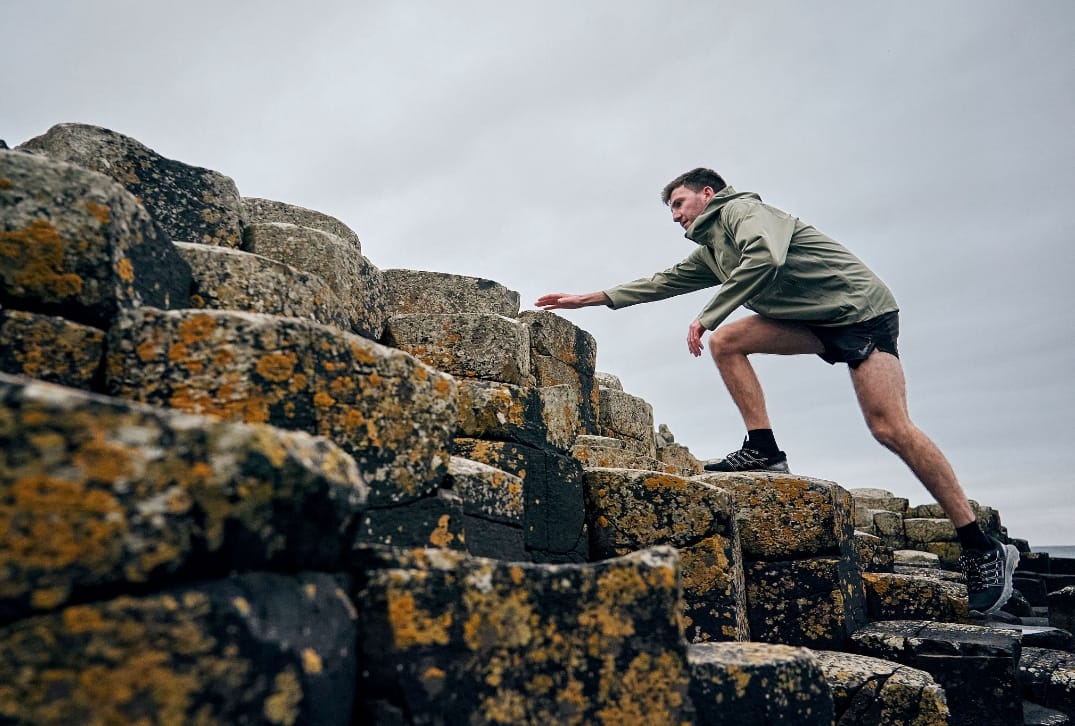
(769, 262)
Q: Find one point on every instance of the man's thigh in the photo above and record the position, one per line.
(757, 334)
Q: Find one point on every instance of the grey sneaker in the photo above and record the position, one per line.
(750, 460)
(989, 576)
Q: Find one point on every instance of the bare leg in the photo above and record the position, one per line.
(882, 394)
(730, 344)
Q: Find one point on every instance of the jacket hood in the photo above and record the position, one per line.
(711, 212)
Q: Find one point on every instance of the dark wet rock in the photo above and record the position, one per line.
(446, 638)
(755, 683)
(258, 647)
(815, 602)
(975, 665)
(891, 596)
(869, 690)
(1062, 608)
(1048, 678)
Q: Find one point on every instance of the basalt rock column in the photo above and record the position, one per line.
(802, 572)
(629, 510)
(467, 327)
(447, 638)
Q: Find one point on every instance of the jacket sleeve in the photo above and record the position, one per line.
(762, 235)
(687, 276)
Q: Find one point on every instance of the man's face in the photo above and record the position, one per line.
(686, 204)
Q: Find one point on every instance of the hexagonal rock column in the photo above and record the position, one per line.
(605, 452)
(975, 665)
(98, 494)
(757, 683)
(1061, 605)
(52, 349)
(191, 204)
(356, 281)
(394, 414)
(988, 518)
(256, 647)
(933, 534)
(434, 293)
(470, 345)
(493, 509)
(872, 690)
(76, 244)
(1048, 678)
(630, 418)
(803, 576)
(891, 596)
(553, 515)
(257, 211)
(563, 354)
(451, 639)
(628, 510)
(872, 553)
(526, 415)
(227, 279)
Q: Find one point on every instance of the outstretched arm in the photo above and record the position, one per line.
(565, 301)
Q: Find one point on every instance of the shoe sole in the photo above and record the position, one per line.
(1011, 559)
(781, 468)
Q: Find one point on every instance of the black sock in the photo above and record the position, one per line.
(971, 537)
(762, 441)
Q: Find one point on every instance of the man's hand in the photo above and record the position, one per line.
(564, 301)
(694, 338)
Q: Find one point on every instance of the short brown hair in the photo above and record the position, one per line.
(696, 180)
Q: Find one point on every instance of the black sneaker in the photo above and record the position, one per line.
(989, 576)
(750, 460)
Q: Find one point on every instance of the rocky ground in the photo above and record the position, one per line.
(249, 477)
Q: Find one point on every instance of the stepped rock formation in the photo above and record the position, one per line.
(249, 477)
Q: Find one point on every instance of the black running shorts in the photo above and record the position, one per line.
(853, 343)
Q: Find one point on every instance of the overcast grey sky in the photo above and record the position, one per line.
(528, 142)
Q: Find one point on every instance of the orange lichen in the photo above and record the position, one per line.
(35, 261)
(441, 536)
(277, 367)
(80, 619)
(102, 461)
(196, 329)
(146, 351)
(99, 211)
(311, 661)
(125, 270)
(282, 706)
(53, 523)
(412, 626)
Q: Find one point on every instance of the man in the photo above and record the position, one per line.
(810, 295)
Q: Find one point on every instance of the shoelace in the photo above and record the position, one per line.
(982, 571)
(744, 457)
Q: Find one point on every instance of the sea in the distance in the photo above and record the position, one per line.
(1055, 550)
